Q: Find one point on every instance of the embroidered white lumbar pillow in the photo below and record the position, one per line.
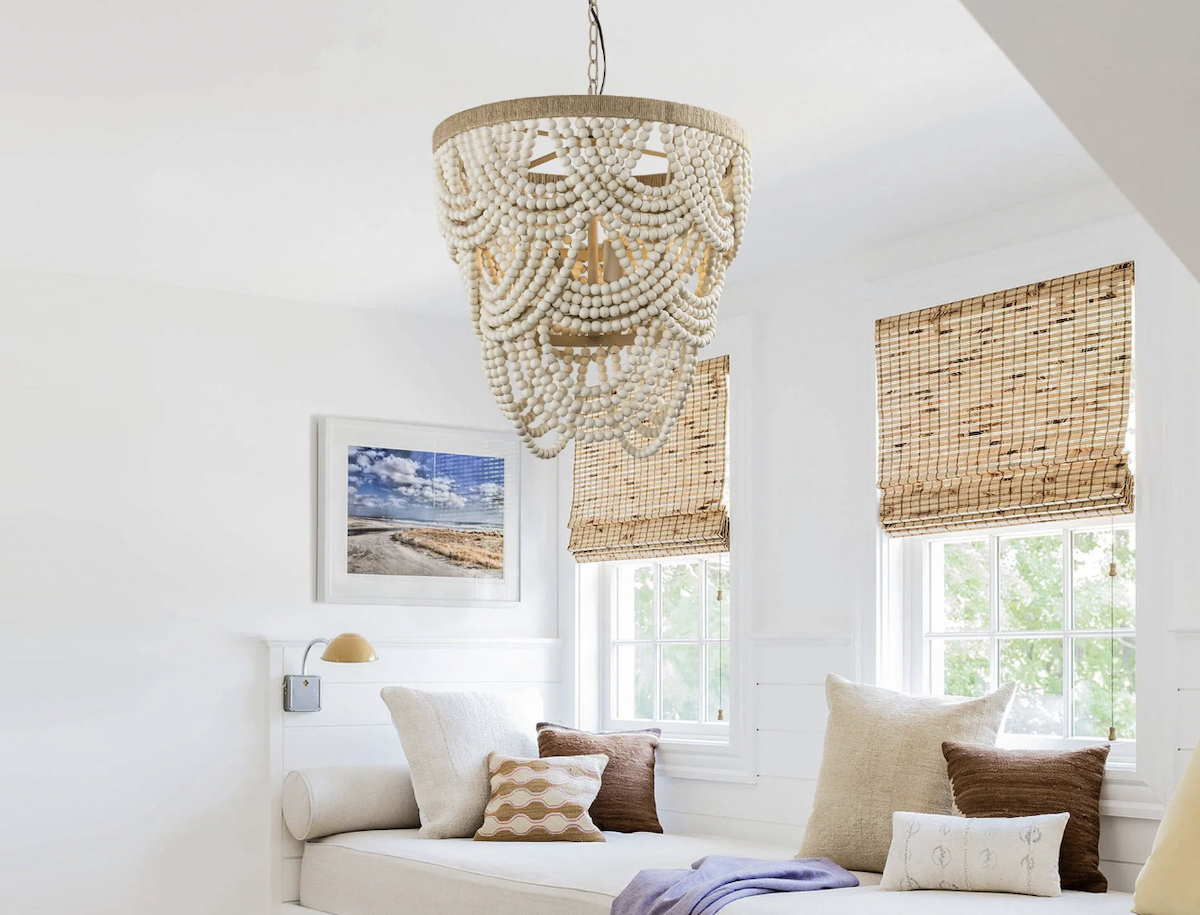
(975, 854)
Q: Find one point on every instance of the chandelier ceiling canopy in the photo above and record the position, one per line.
(592, 234)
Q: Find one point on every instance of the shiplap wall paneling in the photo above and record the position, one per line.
(354, 728)
(1187, 652)
(1187, 699)
(1125, 842)
(788, 705)
(1182, 757)
(790, 754)
(1187, 718)
(441, 662)
(699, 824)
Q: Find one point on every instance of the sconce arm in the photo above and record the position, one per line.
(307, 648)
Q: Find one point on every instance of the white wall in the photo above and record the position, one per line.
(157, 499)
(815, 541)
(156, 518)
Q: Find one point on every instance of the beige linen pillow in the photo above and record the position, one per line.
(542, 800)
(1169, 884)
(883, 753)
(446, 739)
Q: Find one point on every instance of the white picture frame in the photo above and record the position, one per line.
(395, 479)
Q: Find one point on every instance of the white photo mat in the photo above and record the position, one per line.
(335, 584)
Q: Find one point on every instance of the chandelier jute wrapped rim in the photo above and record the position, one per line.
(590, 106)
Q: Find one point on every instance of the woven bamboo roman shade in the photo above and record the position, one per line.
(1008, 408)
(669, 504)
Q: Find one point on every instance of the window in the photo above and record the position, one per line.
(669, 649)
(659, 639)
(1036, 606)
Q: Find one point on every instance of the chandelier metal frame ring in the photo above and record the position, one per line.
(592, 234)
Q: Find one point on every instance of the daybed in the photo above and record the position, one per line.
(392, 872)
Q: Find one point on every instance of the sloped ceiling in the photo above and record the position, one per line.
(1124, 77)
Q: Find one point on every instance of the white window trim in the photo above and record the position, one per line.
(682, 755)
(896, 653)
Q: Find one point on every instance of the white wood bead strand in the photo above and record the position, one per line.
(592, 282)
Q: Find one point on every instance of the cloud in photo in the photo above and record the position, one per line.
(425, 487)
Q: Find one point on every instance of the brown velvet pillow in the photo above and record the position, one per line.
(626, 799)
(988, 782)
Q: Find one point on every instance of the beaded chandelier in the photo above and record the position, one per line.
(592, 234)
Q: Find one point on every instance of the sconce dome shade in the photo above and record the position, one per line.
(349, 648)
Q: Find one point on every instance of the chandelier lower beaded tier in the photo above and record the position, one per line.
(592, 234)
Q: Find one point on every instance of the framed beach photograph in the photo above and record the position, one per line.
(417, 514)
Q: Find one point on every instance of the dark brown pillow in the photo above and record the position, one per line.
(626, 799)
(988, 782)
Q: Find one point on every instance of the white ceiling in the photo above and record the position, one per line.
(282, 148)
(1125, 81)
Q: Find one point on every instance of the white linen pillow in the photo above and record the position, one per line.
(975, 854)
(883, 753)
(447, 737)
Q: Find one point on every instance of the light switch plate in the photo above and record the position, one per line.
(301, 693)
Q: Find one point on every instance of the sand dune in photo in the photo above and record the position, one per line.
(375, 546)
(475, 549)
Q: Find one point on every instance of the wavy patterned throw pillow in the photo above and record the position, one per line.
(542, 800)
(979, 855)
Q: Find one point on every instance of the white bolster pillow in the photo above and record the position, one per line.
(322, 802)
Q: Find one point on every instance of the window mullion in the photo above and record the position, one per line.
(608, 622)
(1068, 609)
(927, 586)
(918, 650)
(702, 629)
(658, 651)
(994, 609)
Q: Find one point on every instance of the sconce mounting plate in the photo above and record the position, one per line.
(301, 693)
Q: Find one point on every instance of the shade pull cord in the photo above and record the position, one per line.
(597, 53)
(721, 636)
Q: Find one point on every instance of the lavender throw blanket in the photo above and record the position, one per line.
(718, 880)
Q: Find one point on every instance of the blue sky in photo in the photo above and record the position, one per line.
(430, 487)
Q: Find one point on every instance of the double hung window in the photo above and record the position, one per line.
(1048, 607)
(669, 639)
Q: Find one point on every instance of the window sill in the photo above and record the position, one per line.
(1125, 795)
(709, 760)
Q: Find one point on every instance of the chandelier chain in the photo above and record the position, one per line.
(597, 53)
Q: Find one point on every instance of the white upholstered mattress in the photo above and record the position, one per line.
(392, 872)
